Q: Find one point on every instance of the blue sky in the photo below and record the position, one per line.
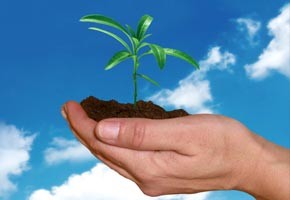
(48, 57)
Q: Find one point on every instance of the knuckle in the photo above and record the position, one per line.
(138, 134)
(150, 191)
(144, 178)
(149, 183)
(93, 147)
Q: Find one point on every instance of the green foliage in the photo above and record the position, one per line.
(143, 26)
(159, 54)
(118, 58)
(136, 39)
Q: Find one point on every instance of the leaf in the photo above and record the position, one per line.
(136, 42)
(117, 58)
(112, 35)
(130, 30)
(143, 44)
(159, 54)
(145, 36)
(181, 55)
(100, 19)
(143, 26)
(148, 79)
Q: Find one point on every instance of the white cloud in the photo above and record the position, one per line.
(102, 183)
(63, 150)
(193, 92)
(276, 56)
(14, 155)
(251, 27)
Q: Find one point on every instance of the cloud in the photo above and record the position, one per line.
(14, 155)
(193, 93)
(276, 56)
(251, 27)
(102, 183)
(64, 150)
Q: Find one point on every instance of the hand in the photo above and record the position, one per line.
(184, 155)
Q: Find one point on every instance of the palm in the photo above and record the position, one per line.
(137, 42)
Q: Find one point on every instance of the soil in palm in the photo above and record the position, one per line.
(98, 109)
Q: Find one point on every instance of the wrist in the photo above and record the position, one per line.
(268, 176)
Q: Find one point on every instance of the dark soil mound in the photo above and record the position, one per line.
(99, 109)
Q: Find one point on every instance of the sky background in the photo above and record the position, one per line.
(48, 57)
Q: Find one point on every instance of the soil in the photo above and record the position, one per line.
(98, 109)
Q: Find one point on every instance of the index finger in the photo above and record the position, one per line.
(83, 127)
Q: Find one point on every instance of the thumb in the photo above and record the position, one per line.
(144, 134)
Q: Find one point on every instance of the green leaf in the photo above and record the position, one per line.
(143, 44)
(159, 54)
(148, 79)
(117, 58)
(145, 36)
(136, 42)
(143, 26)
(131, 31)
(112, 35)
(181, 55)
(100, 19)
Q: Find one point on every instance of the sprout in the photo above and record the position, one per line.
(137, 42)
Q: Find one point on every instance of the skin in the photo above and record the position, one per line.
(186, 155)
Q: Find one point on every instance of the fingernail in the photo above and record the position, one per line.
(63, 111)
(108, 130)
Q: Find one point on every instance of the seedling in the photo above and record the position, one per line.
(137, 42)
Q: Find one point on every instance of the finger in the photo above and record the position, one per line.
(63, 113)
(145, 134)
(116, 165)
(82, 126)
(117, 158)
(128, 159)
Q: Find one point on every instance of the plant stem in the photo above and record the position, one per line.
(136, 63)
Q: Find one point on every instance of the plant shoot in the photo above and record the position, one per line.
(132, 49)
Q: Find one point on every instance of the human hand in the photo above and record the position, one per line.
(182, 155)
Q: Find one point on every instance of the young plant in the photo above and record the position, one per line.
(137, 42)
